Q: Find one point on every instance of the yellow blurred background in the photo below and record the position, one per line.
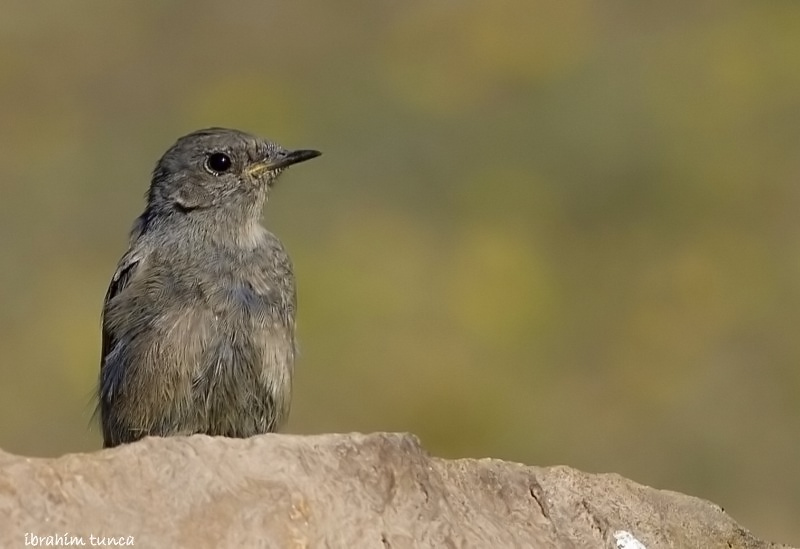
(550, 232)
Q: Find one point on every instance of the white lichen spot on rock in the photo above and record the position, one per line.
(625, 540)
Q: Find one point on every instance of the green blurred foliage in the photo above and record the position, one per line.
(550, 232)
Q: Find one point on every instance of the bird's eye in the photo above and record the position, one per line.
(218, 163)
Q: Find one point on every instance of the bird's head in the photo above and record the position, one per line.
(219, 170)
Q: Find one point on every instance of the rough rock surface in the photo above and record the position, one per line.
(349, 491)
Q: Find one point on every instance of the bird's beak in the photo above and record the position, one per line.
(287, 159)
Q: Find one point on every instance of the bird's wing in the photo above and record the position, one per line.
(127, 267)
(109, 375)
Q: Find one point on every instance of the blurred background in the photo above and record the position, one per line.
(549, 232)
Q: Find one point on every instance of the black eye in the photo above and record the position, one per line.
(218, 163)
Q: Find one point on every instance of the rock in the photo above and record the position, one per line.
(348, 491)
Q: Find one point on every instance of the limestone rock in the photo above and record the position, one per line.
(348, 491)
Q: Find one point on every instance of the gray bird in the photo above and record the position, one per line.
(199, 319)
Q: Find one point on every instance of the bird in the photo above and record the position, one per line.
(198, 323)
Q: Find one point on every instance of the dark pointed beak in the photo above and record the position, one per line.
(293, 157)
(286, 159)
